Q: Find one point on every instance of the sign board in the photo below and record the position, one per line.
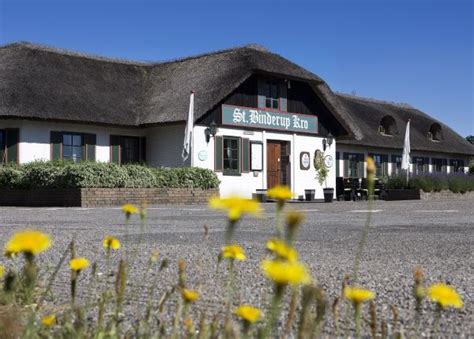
(265, 119)
(304, 161)
(256, 156)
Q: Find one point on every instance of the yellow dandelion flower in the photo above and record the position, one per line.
(30, 241)
(2, 270)
(282, 250)
(294, 218)
(233, 252)
(358, 295)
(236, 206)
(248, 313)
(286, 272)
(280, 193)
(370, 166)
(78, 264)
(129, 209)
(49, 320)
(444, 295)
(111, 243)
(189, 295)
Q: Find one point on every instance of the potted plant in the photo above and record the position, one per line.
(322, 173)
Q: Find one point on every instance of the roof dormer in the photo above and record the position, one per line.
(388, 126)
(436, 132)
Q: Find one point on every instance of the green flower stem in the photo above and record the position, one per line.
(30, 272)
(274, 311)
(357, 318)
(229, 233)
(279, 219)
(230, 287)
(177, 320)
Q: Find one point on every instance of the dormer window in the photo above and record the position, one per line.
(435, 133)
(388, 126)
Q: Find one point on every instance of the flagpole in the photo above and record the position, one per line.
(192, 135)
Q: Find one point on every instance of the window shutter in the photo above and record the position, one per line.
(384, 164)
(56, 139)
(346, 165)
(89, 146)
(12, 139)
(115, 149)
(361, 163)
(283, 96)
(218, 154)
(261, 93)
(444, 169)
(143, 150)
(245, 155)
(337, 164)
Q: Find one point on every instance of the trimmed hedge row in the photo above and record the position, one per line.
(435, 182)
(97, 174)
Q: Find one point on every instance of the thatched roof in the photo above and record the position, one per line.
(369, 113)
(39, 82)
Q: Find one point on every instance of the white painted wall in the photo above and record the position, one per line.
(35, 137)
(164, 146)
(364, 150)
(247, 183)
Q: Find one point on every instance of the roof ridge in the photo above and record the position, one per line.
(253, 46)
(379, 101)
(68, 52)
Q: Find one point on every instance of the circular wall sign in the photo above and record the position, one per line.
(328, 160)
(202, 155)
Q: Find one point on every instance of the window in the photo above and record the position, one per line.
(231, 156)
(380, 165)
(457, 166)
(437, 165)
(435, 133)
(396, 164)
(72, 147)
(353, 165)
(127, 149)
(388, 126)
(419, 165)
(271, 95)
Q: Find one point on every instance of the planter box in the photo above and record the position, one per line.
(99, 197)
(400, 194)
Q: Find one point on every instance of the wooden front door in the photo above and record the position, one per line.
(273, 164)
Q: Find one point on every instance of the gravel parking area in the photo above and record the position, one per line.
(437, 235)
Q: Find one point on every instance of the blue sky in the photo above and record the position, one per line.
(414, 51)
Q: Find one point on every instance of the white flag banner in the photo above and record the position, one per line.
(406, 149)
(189, 130)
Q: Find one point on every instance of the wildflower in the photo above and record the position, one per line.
(444, 295)
(280, 193)
(285, 272)
(248, 313)
(49, 320)
(189, 296)
(236, 206)
(129, 209)
(294, 219)
(78, 264)
(111, 243)
(2, 270)
(370, 166)
(28, 242)
(233, 252)
(154, 256)
(282, 250)
(358, 295)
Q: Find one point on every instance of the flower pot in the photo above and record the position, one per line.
(261, 195)
(328, 194)
(309, 195)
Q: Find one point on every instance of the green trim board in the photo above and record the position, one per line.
(269, 120)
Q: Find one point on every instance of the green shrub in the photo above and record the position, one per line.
(107, 175)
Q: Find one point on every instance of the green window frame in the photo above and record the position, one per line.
(381, 164)
(72, 146)
(126, 149)
(231, 156)
(272, 94)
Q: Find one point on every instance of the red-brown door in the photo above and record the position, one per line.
(273, 164)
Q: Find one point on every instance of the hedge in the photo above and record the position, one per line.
(434, 182)
(97, 174)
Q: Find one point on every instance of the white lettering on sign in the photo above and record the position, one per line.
(256, 117)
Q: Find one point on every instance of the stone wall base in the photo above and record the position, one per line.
(99, 197)
(446, 195)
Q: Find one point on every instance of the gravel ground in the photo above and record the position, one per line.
(437, 235)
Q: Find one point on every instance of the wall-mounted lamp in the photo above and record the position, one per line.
(327, 142)
(210, 131)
